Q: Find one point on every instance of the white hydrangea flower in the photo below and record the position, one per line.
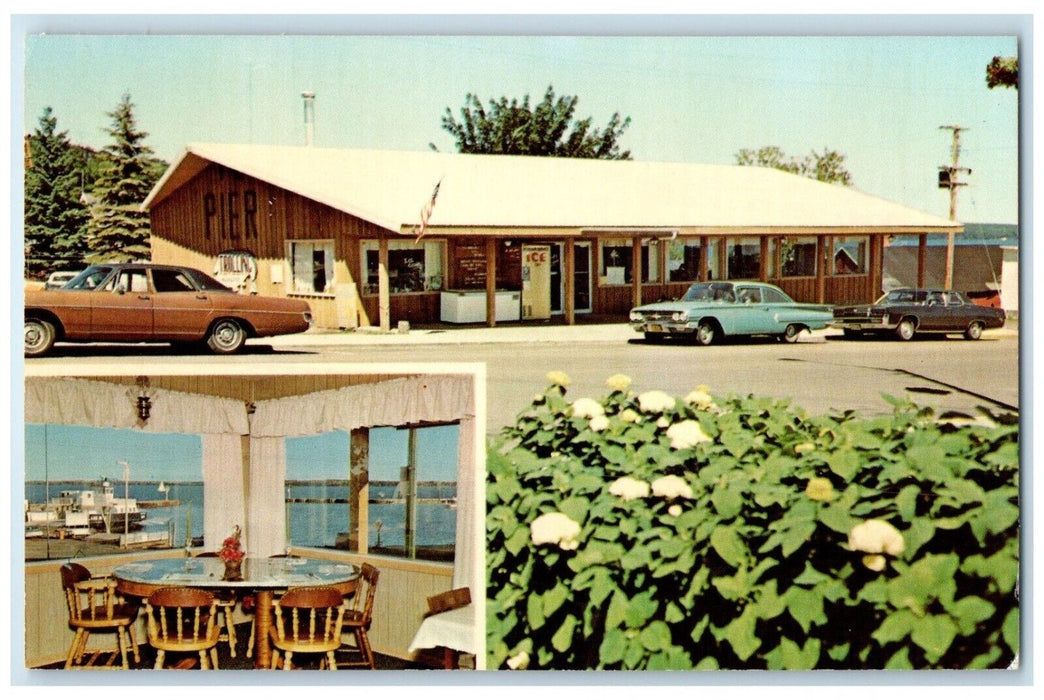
(874, 562)
(662, 423)
(629, 488)
(519, 661)
(558, 378)
(687, 434)
(675, 510)
(587, 408)
(671, 487)
(618, 382)
(598, 423)
(876, 537)
(699, 398)
(629, 415)
(555, 528)
(655, 401)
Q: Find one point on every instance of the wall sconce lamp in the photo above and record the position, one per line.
(144, 401)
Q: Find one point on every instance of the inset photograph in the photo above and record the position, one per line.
(322, 520)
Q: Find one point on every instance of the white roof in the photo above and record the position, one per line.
(389, 188)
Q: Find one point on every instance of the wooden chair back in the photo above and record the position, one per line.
(181, 616)
(309, 616)
(361, 604)
(89, 599)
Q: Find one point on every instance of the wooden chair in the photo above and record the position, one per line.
(357, 619)
(226, 602)
(95, 607)
(307, 621)
(183, 620)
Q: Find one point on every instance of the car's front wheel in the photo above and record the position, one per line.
(39, 337)
(226, 336)
(973, 331)
(906, 329)
(706, 332)
(792, 332)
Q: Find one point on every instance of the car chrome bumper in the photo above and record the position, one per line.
(865, 324)
(668, 327)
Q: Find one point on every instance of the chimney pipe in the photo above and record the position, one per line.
(309, 116)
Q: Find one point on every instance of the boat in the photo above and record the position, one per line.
(80, 511)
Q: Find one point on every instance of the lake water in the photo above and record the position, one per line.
(311, 524)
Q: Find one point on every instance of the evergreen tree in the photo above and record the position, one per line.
(546, 129)
(55, 217)
(119, 230)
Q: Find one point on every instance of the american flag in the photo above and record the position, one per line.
(426, 210)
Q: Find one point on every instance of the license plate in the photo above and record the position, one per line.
(655, 328)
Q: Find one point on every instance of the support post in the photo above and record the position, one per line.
(636, 271)
(491, 282)
(359, 491)
(569, 255)
(383, 293)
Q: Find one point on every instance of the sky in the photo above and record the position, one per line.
(59, 452)
(879, 100)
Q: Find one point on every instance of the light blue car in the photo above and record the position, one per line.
(713, 310)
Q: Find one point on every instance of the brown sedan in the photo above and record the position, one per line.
(154, 303)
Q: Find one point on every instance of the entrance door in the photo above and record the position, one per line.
(581, 277)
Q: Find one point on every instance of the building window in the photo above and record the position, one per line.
(713, 260)
(64, 507)
(683, 260)
(312, 266)
(850, 255)
(413, 492)
(412, 267)
(617, 255)
(797, 256)
(744, 258)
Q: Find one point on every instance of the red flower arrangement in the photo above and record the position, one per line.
(231, 553)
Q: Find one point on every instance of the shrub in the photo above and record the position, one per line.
(655, 532)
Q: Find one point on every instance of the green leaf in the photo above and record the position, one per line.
(900, 660)
(656, 636)
(641, 608)
(554, 598)
(563, 638)
(727, 501)
(845, 462)
(895, 627)
(805, 606)
(934, 634)
(518, 541)
(729, 546)
(1010, 629)
(576, 508)
(795, 658)
(906, 502)
(969, 611)
(796, 537)
(617, 612)
(611, 650)
(535, 611)
(837, 518)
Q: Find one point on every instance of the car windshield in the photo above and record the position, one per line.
(902, 296)
(710, 291)
(91, 278)
(205, 281)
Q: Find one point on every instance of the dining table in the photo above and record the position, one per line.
(262, 577)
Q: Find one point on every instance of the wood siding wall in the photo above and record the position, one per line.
(399, 605)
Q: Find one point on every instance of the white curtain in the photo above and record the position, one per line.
(224, 502)
(467, 553)
(266, 505)
(432, 398)
(67, 401)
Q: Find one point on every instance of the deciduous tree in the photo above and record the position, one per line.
(545, 129)
(828, 166)
(1003, 72)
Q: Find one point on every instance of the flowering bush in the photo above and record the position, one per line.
(230, 548)
(734, 533)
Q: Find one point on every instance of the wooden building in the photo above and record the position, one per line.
(379, 237)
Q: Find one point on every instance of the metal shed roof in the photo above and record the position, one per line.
(389, 188)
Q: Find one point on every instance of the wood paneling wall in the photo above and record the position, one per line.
(399, 605)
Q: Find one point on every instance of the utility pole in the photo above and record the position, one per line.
(948, 180)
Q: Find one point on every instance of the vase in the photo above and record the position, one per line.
(233, 571)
